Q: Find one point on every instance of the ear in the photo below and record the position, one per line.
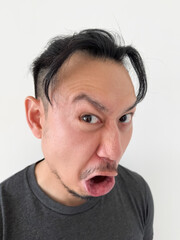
(34, 113)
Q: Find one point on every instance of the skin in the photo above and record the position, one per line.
(73, 143)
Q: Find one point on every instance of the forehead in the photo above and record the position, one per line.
(103, 78)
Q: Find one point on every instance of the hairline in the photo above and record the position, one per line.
(55, 81)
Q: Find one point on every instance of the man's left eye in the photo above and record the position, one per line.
(90, 119)
(126, 118)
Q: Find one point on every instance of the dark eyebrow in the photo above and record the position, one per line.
(92, 101)
(131, 107)
(96, 104)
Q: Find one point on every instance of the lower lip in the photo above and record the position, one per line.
(99, 189)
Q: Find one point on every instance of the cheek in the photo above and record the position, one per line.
(68, 148)
(127, 137)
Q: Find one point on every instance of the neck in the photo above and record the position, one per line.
(53, 187)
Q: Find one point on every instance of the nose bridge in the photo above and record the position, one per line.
(110, 146)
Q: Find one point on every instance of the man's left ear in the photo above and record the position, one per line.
(34, 113)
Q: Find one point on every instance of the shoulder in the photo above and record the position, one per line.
(13, 181)
(15, 184)
(129, 174)
(9, 190)
(132, 180)
(137, 192)
(135, 188)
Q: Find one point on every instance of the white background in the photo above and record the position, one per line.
(153, 28)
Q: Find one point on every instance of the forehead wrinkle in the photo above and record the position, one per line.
(92, 101)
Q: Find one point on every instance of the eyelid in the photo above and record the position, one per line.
(131, 113)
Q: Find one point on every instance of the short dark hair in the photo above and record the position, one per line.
(96, 42)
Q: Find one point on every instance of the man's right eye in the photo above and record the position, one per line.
(90, 119)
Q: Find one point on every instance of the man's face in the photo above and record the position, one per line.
(88, 126)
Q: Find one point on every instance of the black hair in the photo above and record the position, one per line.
(96, 42)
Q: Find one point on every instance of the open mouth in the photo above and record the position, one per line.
(99, 185)
(98, 179)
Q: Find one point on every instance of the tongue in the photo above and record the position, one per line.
(99, 185)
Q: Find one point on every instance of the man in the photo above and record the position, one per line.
(82, 111)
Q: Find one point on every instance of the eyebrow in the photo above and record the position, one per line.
(131, 107)
(92, 101)
(97, 104)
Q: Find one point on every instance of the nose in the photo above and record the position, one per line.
(111, 144)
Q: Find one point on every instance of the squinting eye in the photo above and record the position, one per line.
(90, 119)
(126, 118)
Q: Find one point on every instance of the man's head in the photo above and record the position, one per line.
(83, 110)
(96, 43)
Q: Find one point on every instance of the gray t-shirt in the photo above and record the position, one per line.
(27, 213)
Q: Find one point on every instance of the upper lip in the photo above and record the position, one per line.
(103, 173)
